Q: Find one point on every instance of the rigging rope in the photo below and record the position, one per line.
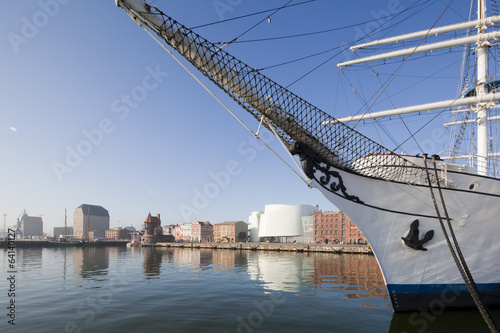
(255, 25)
(460, 262)
(340, 52)
(390, 17)
(231, 112)
(403, 64)
(304, 179)
(248, 15)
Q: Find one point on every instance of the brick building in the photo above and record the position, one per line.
(177, 232)
(335, 227)
(202, 231)
(90, 222)
(117, 233)
(234, 231)
(31, 225)
(152, 225)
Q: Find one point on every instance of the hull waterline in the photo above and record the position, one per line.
(384, 212)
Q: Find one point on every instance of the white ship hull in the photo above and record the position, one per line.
(382, 193)
(417, 278)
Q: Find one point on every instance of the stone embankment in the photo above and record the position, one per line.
(287, 247)
(29, 243)
(290, 247)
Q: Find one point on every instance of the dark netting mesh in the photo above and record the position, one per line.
(295, 119)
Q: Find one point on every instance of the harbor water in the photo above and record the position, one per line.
(118, 289)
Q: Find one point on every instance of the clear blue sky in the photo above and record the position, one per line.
(80, 77)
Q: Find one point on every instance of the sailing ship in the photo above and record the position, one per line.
(63, 241)
(430, 223)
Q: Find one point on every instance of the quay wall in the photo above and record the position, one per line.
(287, 247)
(28, 243)
(290, 247)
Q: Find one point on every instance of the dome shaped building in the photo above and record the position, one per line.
(282, 223)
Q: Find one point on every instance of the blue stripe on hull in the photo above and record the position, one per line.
(409, 297)
(437, 288)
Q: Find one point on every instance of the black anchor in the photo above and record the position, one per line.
(412, 239)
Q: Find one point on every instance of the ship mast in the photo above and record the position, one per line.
(481, 90)
(301, 126)
(483, 99)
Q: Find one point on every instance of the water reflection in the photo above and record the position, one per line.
(123, 292)
(197, 259)
(152, 262)
(281, 271)
(28, 259)
(91, 262)
(202, 258)
(229, 260)
(357, 273)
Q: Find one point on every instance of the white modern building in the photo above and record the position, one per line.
(253, 226)
(284, 223)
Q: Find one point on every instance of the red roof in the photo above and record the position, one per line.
(152, 219)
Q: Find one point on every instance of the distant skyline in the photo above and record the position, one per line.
(93, 111)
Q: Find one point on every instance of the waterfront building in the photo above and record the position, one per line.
(202, 231)
(232, 231)
(59, 232)
(177, 232)
(152, 230)
(118, 233)
(152, 225)
(336, 227)
(31, 226)
(169, 229)
(90, 222)
(253, 226)
(185, 232)
(283, 223)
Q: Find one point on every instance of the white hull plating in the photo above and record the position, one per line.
(388, 209)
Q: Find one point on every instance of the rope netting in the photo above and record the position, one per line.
(295, 119)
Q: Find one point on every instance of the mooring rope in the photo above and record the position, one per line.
(460, 262)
